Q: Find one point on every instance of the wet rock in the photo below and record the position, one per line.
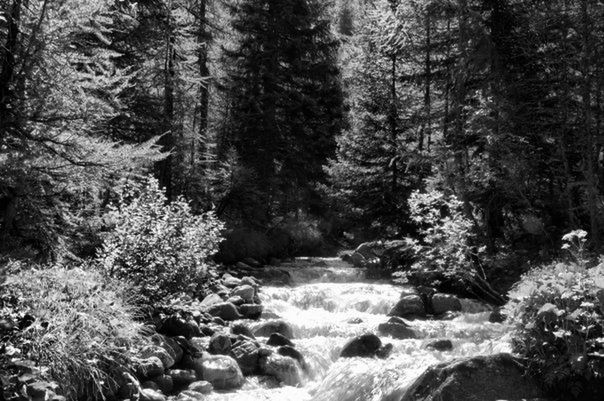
(236, 300)
(147, 394)
(251, 311)
(242, 329)
(409, 306)
(149, 367)
(365, 345)
(164, 383)
(210, 300)
(267, 328)
(222, 371)
(202, 387)
(150, 385)
(267, 314)
(246, 354)
(440, 345)
(159, 352)
(206, 330)
(264, 351)
(384, 351)
(484, 378)
(217, 320)
(442, 303)
(229, 281)
(175, 326)
(284, 368)
(277, 340)
(225, 310)
(246, 292)
(355, 320)
(182, 377)
(220, 343)
(247, 280)
(396, 330)
(170, 345)
(287, 350)
(187, 395)
(497, 316)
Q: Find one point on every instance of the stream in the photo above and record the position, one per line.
(331, 302)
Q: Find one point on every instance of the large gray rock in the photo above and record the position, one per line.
(246, 354)
(482, 378)
(274, 326)
(149, 367)
(211, 299)
(246, 292)
(366, 345)
(442, 303)
(224, 310)
(284, 368)
(229, 281)
(250, 311)
(221, 371)
(409, 306)
(159, 352)
(220, 343)
(170, 345)
(396, 330)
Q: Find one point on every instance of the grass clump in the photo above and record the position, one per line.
(75, 325)
(559, 315)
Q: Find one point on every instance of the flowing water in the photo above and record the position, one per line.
(331, 302)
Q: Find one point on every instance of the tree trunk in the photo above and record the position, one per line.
(7, 60)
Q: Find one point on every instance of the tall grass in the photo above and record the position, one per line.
(84, 327)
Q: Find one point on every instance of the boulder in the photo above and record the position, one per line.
(355, 320)
(164, 383)
(220, 343)
(481, 378)
(246, 292)
(269, 327)
(149, 367)
(151, 385)
(250, 311)
(442, 303)
(202, 387)
(242, 329)
(247, 280)
(175, 326)
(277, 340)
(206, 331)
(224, 310)
(182, 377)
(409, 306)
(159, 352)
(235, 300)
(210, 300)
(230, 281)
(170, 345)
(283, 368)
(440, 345)
(396, 330)
(146, 394)
(221, 371)
(497, 316)
(384, 351)
(366, 345)
(187, 395)
(287, 350)
(246, 354)
(267, 314)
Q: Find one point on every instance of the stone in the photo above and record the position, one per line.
(264, 351)
(236, 300)
(170, 345)
(220, 343)
(201, 386)
(146, 394)
(150, 385)
(242, 329)
(217, 320)
(210, 300)
(182, 377)
(39, 390)
(356, 259)
(246, 292)
(229, 281)
(365, 345)
(175, 326)
(164, 383)
(187, 395)
(440, 345)
(355, 320)
(247, 280)
(497, 316)
(277, 340)
(442, 303)
(481, 378)
(246, 354)
(288, 350)
(224, 310)
(222, 371)
(269, 327)
(267, 314)
(384, 351)
(206, 330)
(396, 330)
(149, 367)
(251, 311)
(160, 352)
(283, 368)
(409, 306)
(398, 320)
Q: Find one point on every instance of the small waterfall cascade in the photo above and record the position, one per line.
(331, 302)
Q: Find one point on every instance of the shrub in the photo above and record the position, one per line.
(161, 247)
(76, 325)
(559, 315)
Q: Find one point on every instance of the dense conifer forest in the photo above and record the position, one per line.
(157, 155)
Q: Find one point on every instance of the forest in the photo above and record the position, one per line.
(175, 164)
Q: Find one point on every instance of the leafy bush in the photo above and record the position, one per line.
(77, 326)
(559, 315)
(161, 247)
